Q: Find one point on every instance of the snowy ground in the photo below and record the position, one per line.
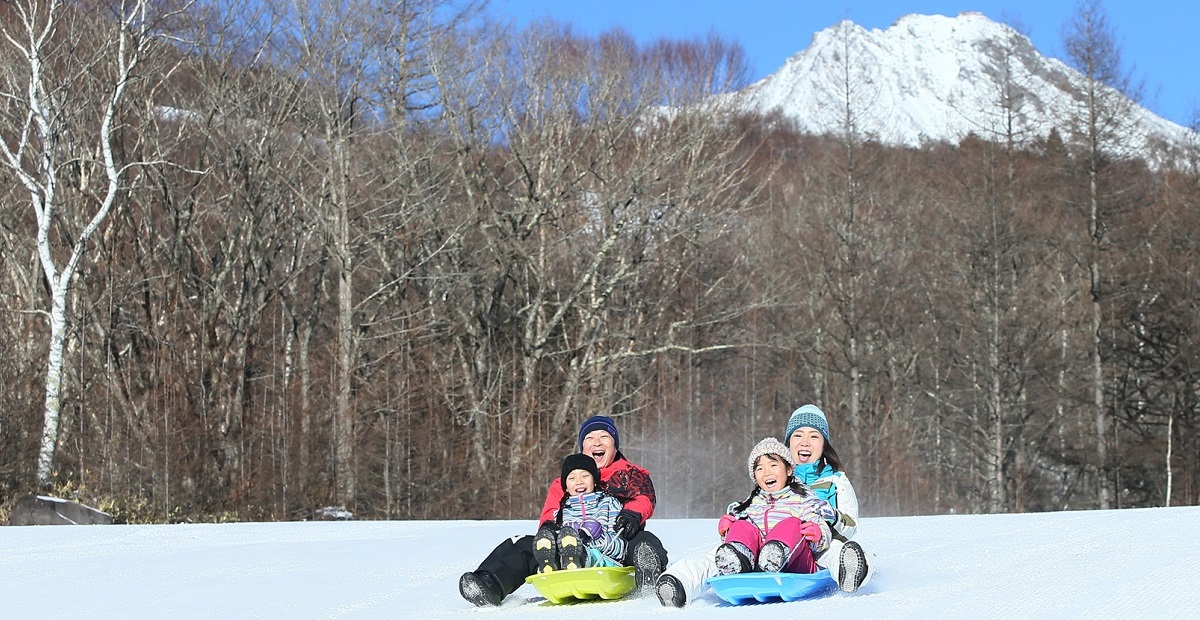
(1115, 564)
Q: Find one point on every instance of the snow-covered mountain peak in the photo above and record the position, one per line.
(933, 78)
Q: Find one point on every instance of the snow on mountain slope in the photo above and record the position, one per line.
(1124, 564)
(933, 78)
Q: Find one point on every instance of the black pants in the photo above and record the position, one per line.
(512, 560)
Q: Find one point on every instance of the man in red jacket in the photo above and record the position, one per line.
(506, 568)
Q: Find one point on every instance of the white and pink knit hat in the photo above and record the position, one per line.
(770, 445)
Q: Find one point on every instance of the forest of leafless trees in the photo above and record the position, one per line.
(260, 258)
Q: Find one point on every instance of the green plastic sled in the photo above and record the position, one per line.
(582, 584)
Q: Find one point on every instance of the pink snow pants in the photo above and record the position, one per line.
(786, 531)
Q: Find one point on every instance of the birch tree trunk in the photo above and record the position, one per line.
(59, 144)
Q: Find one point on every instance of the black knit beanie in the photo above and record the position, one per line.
(579, 461)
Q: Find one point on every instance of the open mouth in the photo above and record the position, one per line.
(804, 455)
(599, 453)
(770, 481)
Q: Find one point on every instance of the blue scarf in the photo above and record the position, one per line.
(809, 474)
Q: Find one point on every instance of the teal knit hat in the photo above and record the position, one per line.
(810, 416)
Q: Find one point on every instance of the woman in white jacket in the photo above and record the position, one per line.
(818, 466)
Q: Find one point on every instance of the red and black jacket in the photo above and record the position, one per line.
(621, 479)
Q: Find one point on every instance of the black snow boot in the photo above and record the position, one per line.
(649, 565)
(733, 558)
(545, 550)
(670, 591)
(481, 588)
(572, 555)
(852, 567)
(773, 556)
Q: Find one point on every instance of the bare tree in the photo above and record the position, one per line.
(367, 70)
(998, 273)
(589, 171)
(849, 206)
(1100, 130)
(64, 91)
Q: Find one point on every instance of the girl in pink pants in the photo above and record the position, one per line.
(781, 526)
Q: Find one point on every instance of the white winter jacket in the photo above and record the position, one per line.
(834, 487)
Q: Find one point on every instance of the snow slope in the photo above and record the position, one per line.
(1121, 564)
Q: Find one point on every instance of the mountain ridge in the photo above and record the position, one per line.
(933, 78)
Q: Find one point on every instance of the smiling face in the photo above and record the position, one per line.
(771, 473)
(580, 481)
(600, 446)
(807, 445)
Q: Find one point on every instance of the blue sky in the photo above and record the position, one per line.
(1160, 39)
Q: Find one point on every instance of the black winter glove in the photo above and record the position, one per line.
(627, 524)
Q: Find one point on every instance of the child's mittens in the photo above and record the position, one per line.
(724, 524)
(591, 528)
(811, 531)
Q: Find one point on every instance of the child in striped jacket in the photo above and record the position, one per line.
(585, 536)
(781, 526)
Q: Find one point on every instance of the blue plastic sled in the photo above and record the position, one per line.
(768, 587)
